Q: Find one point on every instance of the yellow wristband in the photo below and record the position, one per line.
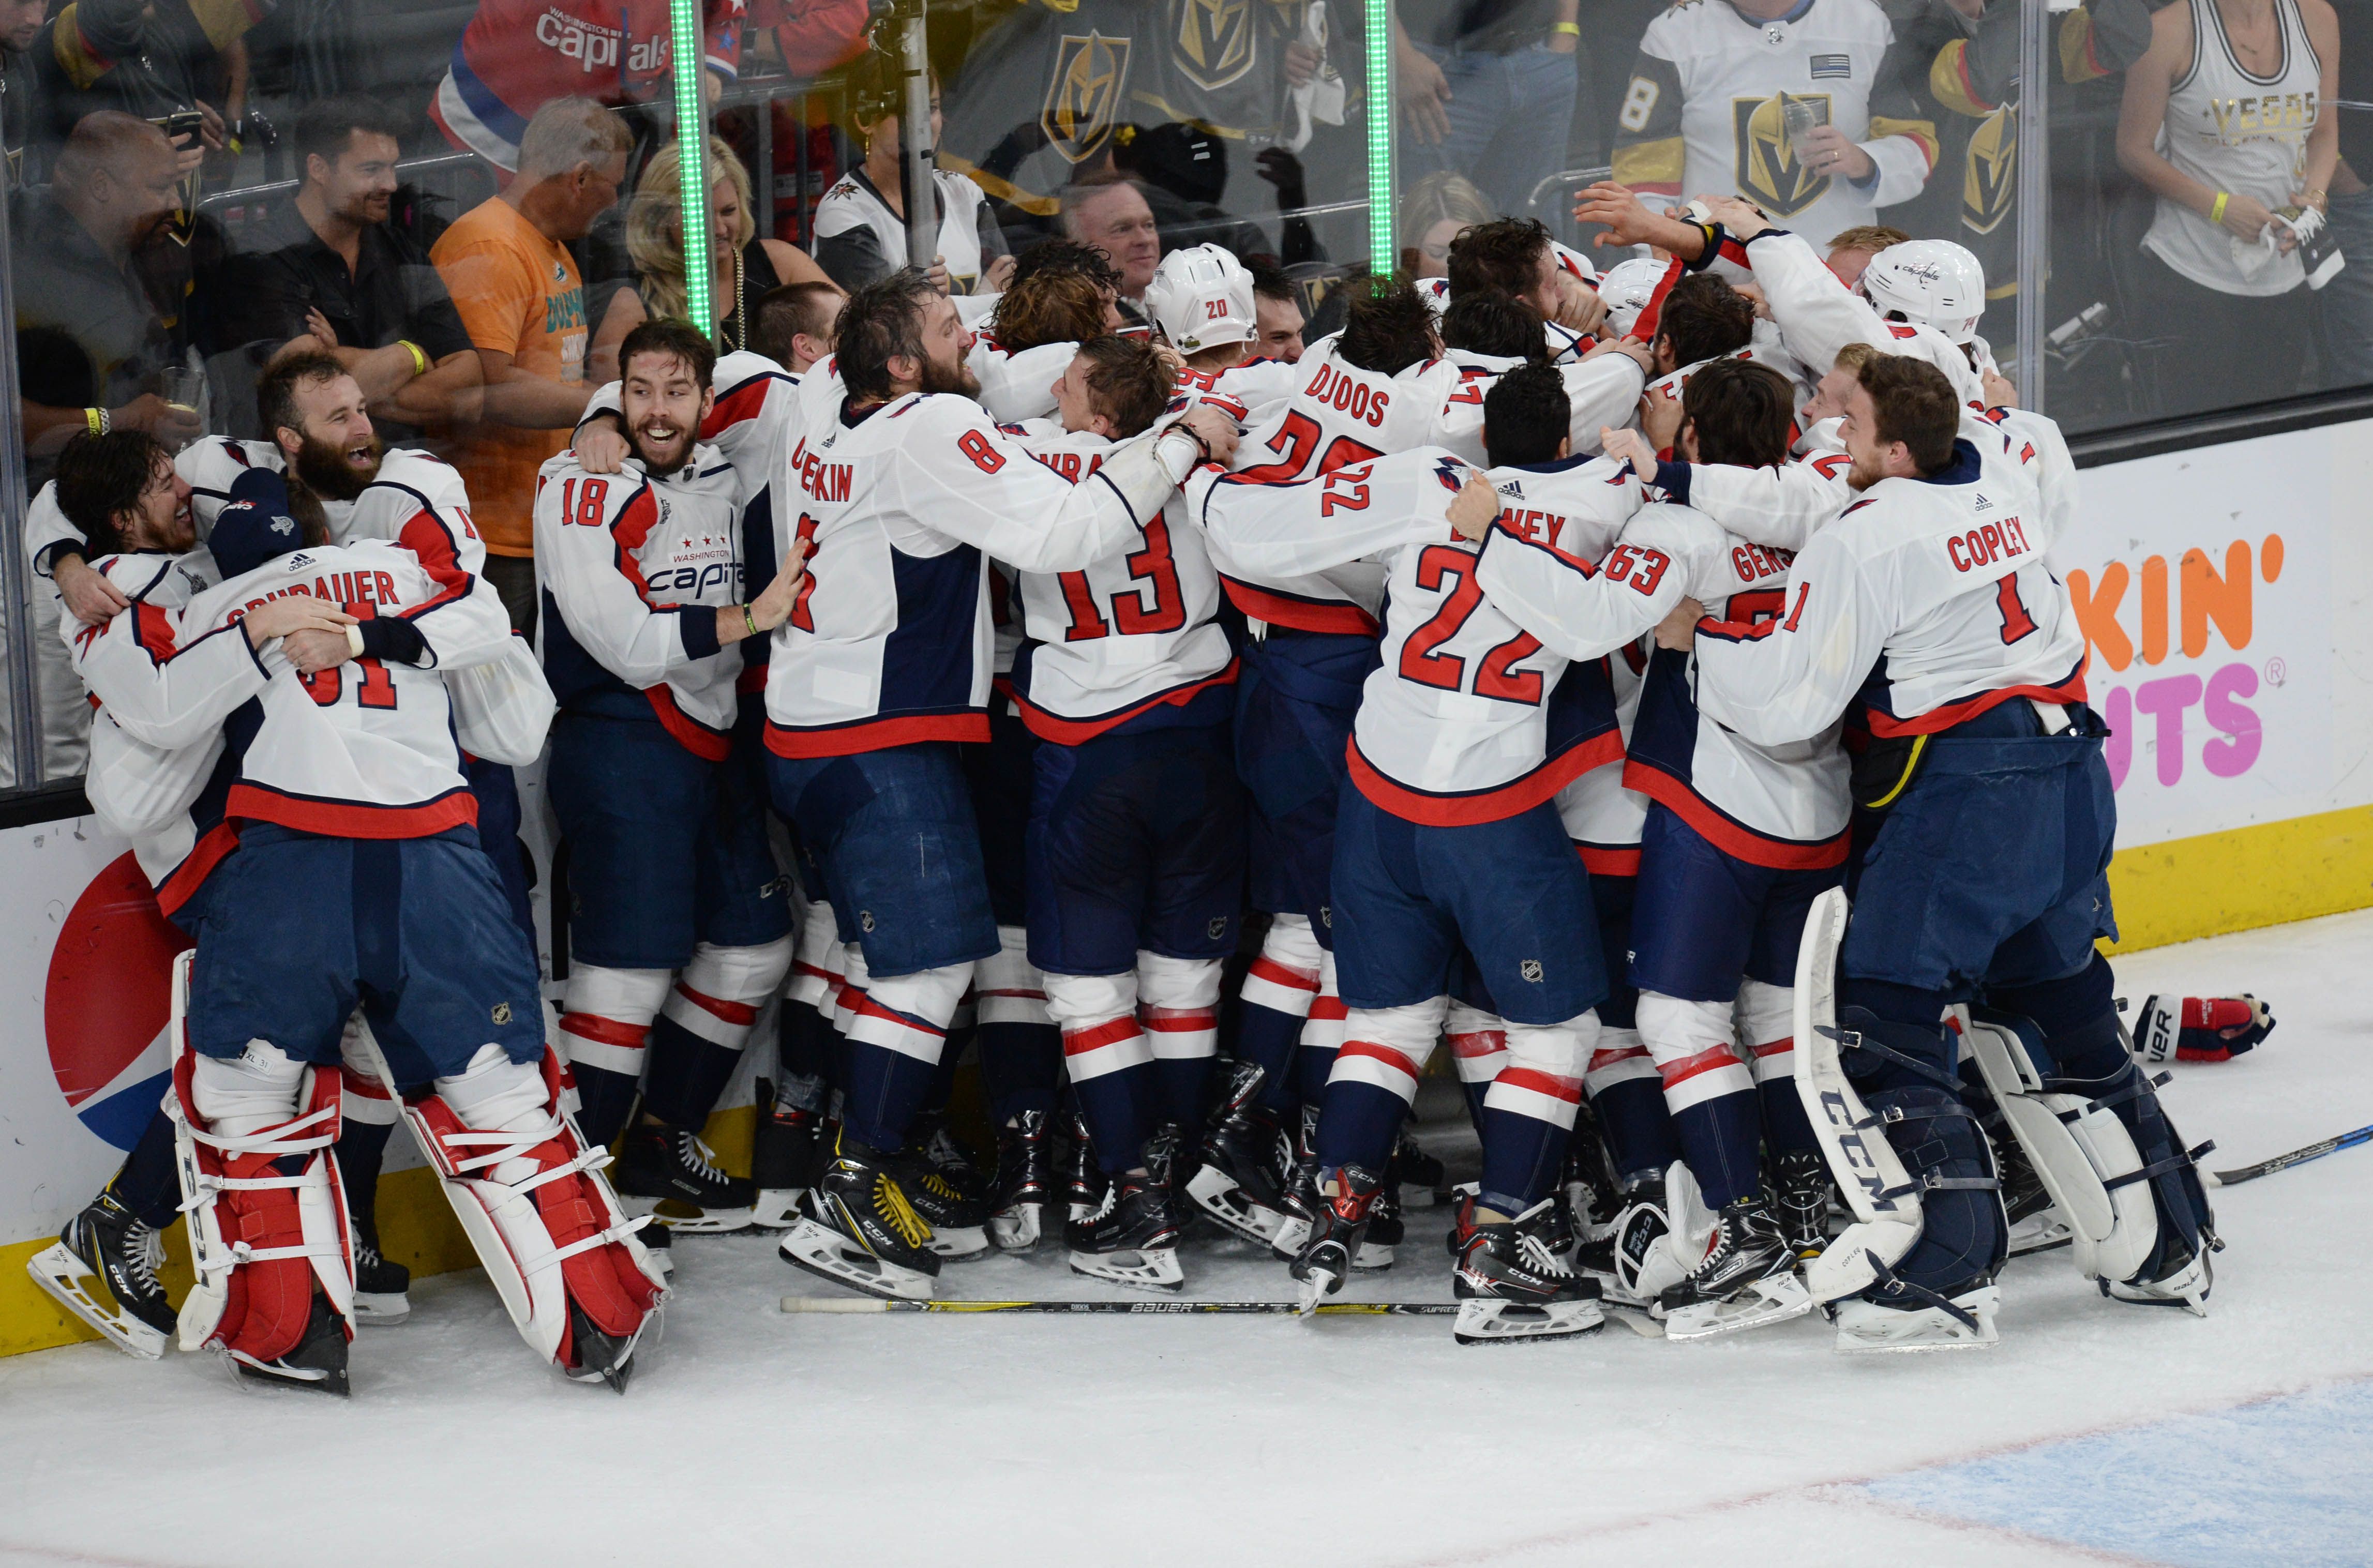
(419, 360)
(749, 621)
(96, 419)
(1566, 28)
(2217, 213)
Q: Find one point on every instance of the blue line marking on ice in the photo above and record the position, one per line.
(2286, 1483)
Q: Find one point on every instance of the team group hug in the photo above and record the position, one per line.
(1649, 688)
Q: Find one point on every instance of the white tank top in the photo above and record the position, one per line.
(2238, 133)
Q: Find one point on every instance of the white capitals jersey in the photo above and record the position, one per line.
(1566, 346)
(1817, 315)
(1928, 602)
(1468, 719)
(1338, 414)
(365, 749)
(631, 569)
(1704, 112)
(1784, 805)
(1600, 815)
(1256, 383)
(890, 642)
(1126, 637)
(1016, 385)
(157, 736)
(1600, 394)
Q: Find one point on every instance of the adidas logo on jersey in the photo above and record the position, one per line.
(297, 562)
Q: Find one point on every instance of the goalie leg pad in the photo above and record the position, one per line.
(1963, 1235)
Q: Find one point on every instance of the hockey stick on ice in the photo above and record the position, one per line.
(2296, 1157)
(1154, 1308)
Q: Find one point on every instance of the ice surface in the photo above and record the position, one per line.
(2097, 1432)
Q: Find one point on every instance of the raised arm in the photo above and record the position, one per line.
(1790, 678)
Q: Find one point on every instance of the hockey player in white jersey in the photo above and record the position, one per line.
(1447, 839)
(680, 921)
(1518, 257)
(882, 668)
(1202, 304)
(1739, 842)
(1928, 603)
(1068, 298)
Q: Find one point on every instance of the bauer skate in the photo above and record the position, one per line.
(1084, 1182)
(946, 1188)
(1243, 1163)
(1132, 1238)
(102, 1268)
(782, 1153)
(856, 1227)
(1800, 1200)
(1025, 1178)
(1746, 1280)
(669, 1174)
(1300, 1196)
(2185, 1285)
(1512, 1287)
(1337, 1235)
(1966, 1322)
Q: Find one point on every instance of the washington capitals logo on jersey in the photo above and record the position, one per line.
(1451, 472)
(1769, 174)
(1085, 93)
(1212, 40)
(1992, 174)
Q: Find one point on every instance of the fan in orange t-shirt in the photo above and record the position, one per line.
(507, 263)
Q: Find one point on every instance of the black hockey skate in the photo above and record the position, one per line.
(1299, 1199)
(382, 1290)
(1336, 1236)
(1746, 1280)
(946, 1188)
(318, 1361)
(1800, 1199)
(1381, 1245)
(1025, 1180)
(1511, 1286)
(1084, 1181)
(106, 1246)
(668, 1173)
(1587, 1180)
(856, 1227)
(1420, 1178)
(594, 1355)
(2035, 1222)
(1243, 1163)
(782, 1156)
(1133, 1237)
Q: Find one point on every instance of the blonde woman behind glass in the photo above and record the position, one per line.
(742, 265)
(1432, 213)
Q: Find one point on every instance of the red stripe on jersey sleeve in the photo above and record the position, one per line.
(426, 536)
(629, 529)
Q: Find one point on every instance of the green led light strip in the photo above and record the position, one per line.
(1380, 139)
(692, 146)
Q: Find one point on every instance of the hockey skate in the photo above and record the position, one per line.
(1511, 1287)
(1083, 1180)
(1385, 1232)
(1132, 1238)
(1746, 1280)
(669, 1174)
(1419, 1177)
(1335, 1237)
(382, 1290)
(1800, 1200)
(1300, 1196)
(782, 1153)
(1025, 1178)
(1587, 1182)
(1243, 1163)
(2187, 1286)
(102, 1268)
(946, 1188)
(1966, 1324)
(856, 1227)
(2035, 1225)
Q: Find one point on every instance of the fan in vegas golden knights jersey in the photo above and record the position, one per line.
(1707, 111)
(1052, 86)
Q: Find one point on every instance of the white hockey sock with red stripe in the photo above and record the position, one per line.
(605, 1029)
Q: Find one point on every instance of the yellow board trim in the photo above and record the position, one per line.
(2179, 890)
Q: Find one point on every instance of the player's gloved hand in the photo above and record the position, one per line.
(1474, 508)
(2200, 1028)
(600, 445)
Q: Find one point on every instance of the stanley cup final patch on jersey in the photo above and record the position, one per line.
(1769, 174)
(1083, 94)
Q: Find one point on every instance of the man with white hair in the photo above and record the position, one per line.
(1113, 216)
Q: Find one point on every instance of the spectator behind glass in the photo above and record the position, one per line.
(1709, 102)
(742, 265)
(330, 273)
(1277, 316)
(2346, 303)
(507, 264)
(2221, 270)
(90, 349)
(519, 56)
(1111, 215)
(1434, 212)
(1486, 88)
(20, 29)
(151, 59)
(860, 225)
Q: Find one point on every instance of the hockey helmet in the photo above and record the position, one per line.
(1933, 283)
(1200, 298)
(1627, 287)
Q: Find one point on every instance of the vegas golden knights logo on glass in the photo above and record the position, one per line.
(1212, 40)
(1769, 174)
(1084, 94)
(1993, 173)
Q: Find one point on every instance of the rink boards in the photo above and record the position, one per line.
(2222, 594)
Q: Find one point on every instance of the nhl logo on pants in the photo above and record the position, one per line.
(1531, 970)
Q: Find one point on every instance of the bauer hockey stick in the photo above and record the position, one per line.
(2296, 1157)
(1154, 1308)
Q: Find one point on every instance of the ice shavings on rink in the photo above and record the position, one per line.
(2286, 1483)
(753, 1437)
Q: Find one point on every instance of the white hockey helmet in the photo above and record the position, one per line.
(1934, 283)
(1200, 298)
(1627, 287)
